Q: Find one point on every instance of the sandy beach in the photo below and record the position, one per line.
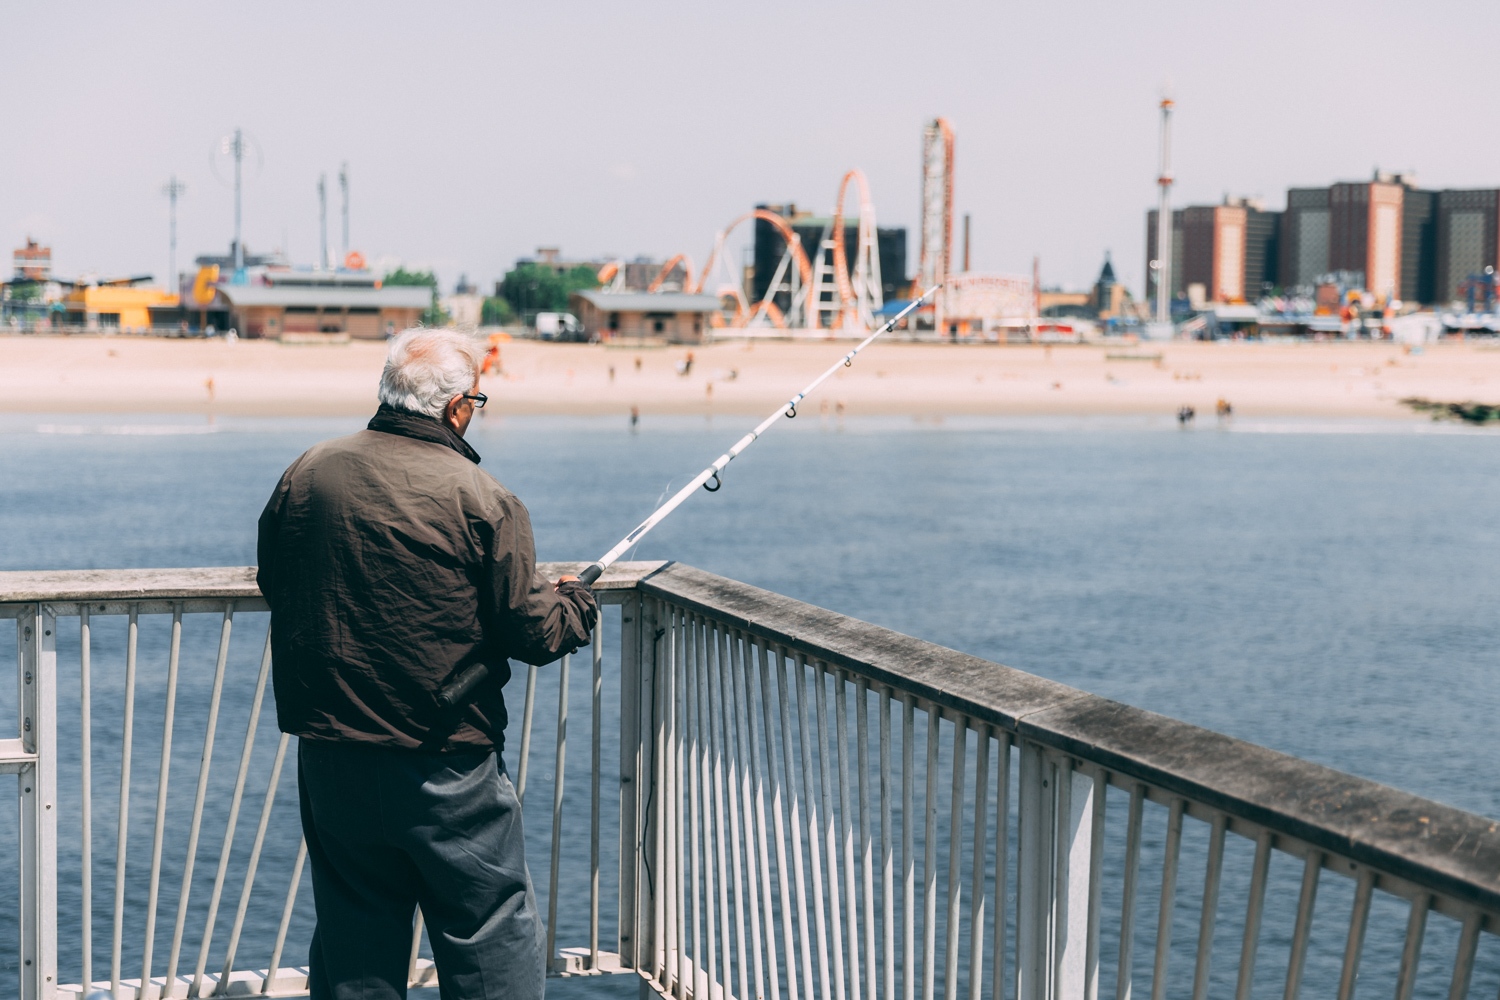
(262, 378)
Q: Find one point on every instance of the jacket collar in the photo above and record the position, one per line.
(390, 420)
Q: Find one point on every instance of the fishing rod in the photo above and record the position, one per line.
(457, 690)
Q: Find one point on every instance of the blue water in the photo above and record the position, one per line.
(1327, 590)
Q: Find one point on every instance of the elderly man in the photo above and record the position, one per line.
(391, 562)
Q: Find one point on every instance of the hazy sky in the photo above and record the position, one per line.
(476, 132)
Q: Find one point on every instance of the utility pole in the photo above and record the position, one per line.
(1164, 219)
(344, 189)
(237, 147)
(322, 220)
(172, 189)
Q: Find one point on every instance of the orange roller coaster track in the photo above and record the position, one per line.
(804, 266)
(847, 305)
(667, 268)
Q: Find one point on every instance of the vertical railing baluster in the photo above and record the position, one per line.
(955, 858)
(830, 834)
(713, 831)
(695, 808)
(1096, 884)
(415, 951)
(286, 919)
(682, 804)
(757, 878)
(235, 799)
(1210, 910)
(1002, 858)
(594, 790)
(123, 826)
(929, 858)
(560, 764)
(255, 851)
(526, 714)
(778, 818)
(1254, 910)
(1411, 950)
(1358, 921)
(669, 787)
(1303, 928)
(814, 832)
(976, 888)
(866, 833)
(729, 742)
(159, 827)
(1463, 961)
(1125, 973)
(887, 846)
(846, 829)
(86, 796)
(1168, 899)
(908, 851)
(200, 795)
(794, 827)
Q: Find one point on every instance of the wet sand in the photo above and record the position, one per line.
(259, 378)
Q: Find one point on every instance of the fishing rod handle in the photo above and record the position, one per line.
(457, 690)
(590, 573)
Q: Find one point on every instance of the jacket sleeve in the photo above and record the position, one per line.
(528, 617)
(267, 537)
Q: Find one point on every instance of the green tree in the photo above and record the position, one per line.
(434, 316)
(24, 291)
(496, 312)
(532, 288)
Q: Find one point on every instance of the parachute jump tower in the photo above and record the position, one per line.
(935, 263)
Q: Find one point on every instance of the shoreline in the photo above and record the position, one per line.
(78, 375)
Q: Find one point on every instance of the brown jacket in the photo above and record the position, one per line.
(391, 561)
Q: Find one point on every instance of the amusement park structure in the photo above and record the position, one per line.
(828, 275)
(935, 262)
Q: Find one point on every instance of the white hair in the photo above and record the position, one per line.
(426, 368)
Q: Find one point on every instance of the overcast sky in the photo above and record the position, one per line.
(476, 132)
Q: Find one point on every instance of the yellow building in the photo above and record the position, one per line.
(114, 306)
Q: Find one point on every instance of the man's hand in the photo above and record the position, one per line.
(565, 578)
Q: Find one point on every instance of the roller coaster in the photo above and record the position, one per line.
(824, 291)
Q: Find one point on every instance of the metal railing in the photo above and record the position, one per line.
(809, 806)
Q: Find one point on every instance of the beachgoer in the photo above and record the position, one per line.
(391, 561)
(611, 373)
(637, 362)
(208, 384)
(1185, 415)
(635, 417)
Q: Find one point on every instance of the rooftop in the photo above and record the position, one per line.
(673, 302)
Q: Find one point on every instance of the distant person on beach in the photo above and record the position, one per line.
(391, 561)
(1185, 415)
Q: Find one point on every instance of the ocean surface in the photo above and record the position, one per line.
(1327, 589)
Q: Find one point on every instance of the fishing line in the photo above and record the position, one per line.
(457, 690)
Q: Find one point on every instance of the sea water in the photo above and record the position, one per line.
(1326, 589)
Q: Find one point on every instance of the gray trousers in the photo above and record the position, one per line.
(389, 830)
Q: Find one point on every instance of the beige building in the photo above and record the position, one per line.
(670, 316)
(351, 302)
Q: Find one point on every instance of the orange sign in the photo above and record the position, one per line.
(203, 285)
(354, 261)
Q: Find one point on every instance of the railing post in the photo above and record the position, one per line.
(36, 633)
(1055, 875)
(630, 771)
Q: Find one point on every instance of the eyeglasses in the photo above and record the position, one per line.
(479, 399)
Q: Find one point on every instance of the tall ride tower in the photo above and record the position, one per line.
(1163, 262)
(937, 211)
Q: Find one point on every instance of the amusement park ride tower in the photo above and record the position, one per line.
(937, 211)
